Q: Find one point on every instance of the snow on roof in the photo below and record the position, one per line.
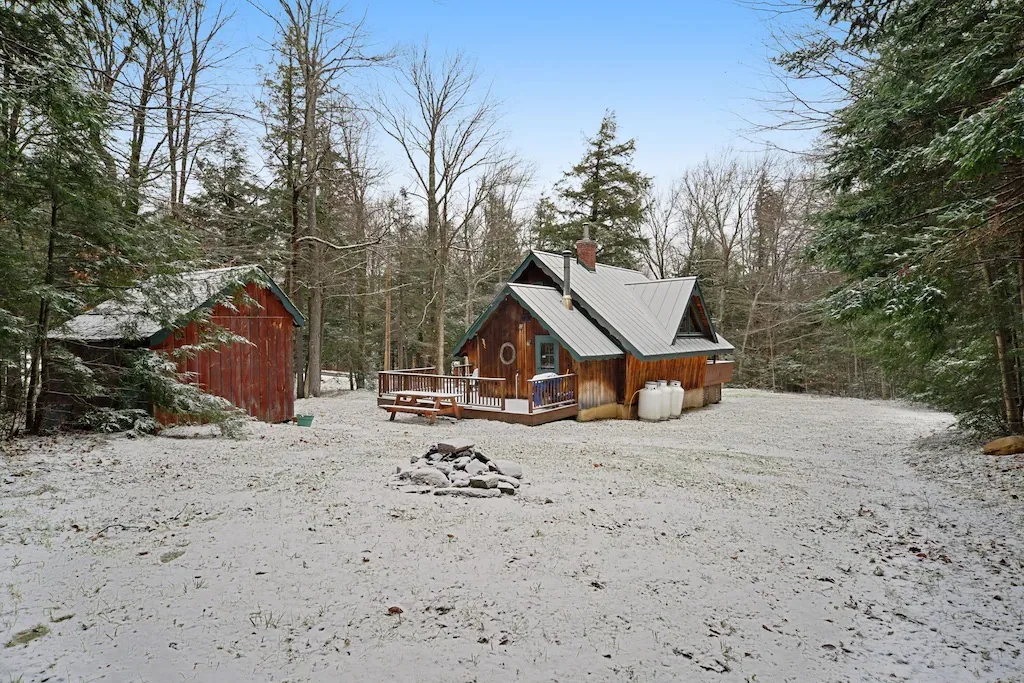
(160, 301)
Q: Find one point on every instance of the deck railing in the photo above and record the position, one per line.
(552, 392)
(462, 369)
(484, 392)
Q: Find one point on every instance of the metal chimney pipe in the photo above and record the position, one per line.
(566, 289)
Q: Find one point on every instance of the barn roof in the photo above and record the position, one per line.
(163, 300)
(641, 314)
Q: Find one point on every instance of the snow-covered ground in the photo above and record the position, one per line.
(768, 538)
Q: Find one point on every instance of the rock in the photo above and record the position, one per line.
(27, 636)
(413, 459)
(509, 468)
(445, 467)
(468, 492)
(506, 488)
(1008, 445)
(460, 483)
(491, 466)
(171, 556)
(475, 467)
(454, 446)
(484, 481)
(508, 480)
(481, 457)
(415, 489)
(460, 463)
(428, 476)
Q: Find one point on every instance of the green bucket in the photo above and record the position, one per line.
(304, 420)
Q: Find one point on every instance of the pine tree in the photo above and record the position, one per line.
(230, 213)
(604, 191)
(928, 162)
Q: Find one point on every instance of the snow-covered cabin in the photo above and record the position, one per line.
(570, 337)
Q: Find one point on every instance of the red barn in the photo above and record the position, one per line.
(244, 300)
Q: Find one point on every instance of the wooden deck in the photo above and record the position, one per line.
(549, 399)
(516, 412)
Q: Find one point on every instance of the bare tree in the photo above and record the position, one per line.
(662, 227)
(493, 231)
(448, 134)
(327, 47)
(185, 37)
(719, 195)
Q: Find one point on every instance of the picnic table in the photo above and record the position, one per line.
(428, 403)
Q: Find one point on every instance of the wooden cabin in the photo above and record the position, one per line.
(256, 377)
(598, 332)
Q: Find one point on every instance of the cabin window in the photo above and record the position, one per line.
(690, 325)
(547, 353)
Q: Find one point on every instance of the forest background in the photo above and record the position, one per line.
(379, 185)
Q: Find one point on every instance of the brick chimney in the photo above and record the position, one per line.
(586, 250)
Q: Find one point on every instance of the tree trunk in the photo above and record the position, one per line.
(293, 160)
(1001, 336)
(316, 325)
(746, 332)
(1007, 382)
(39, 365)
(316, 285)
(387, 313)
(441, 292)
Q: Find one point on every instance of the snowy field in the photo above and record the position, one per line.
(768, 538)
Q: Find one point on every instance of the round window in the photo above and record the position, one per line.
(507, 354)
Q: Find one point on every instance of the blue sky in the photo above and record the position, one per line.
(684, 77)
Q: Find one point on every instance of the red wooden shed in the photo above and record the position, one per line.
(244, 300)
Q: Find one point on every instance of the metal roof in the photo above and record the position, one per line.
(584, 340)
(607, 295)
(160, 301)
(699, 346)
(667, 299)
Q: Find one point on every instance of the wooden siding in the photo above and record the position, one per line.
(690, 371)
(533, 275)
(600, 381)
(258, 377)
(512, 323)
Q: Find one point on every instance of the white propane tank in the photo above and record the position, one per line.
(650, 403)
(676, 387)
(666, 398)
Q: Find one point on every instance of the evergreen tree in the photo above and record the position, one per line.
(927, 158)
(604, 191)
(230, 213)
